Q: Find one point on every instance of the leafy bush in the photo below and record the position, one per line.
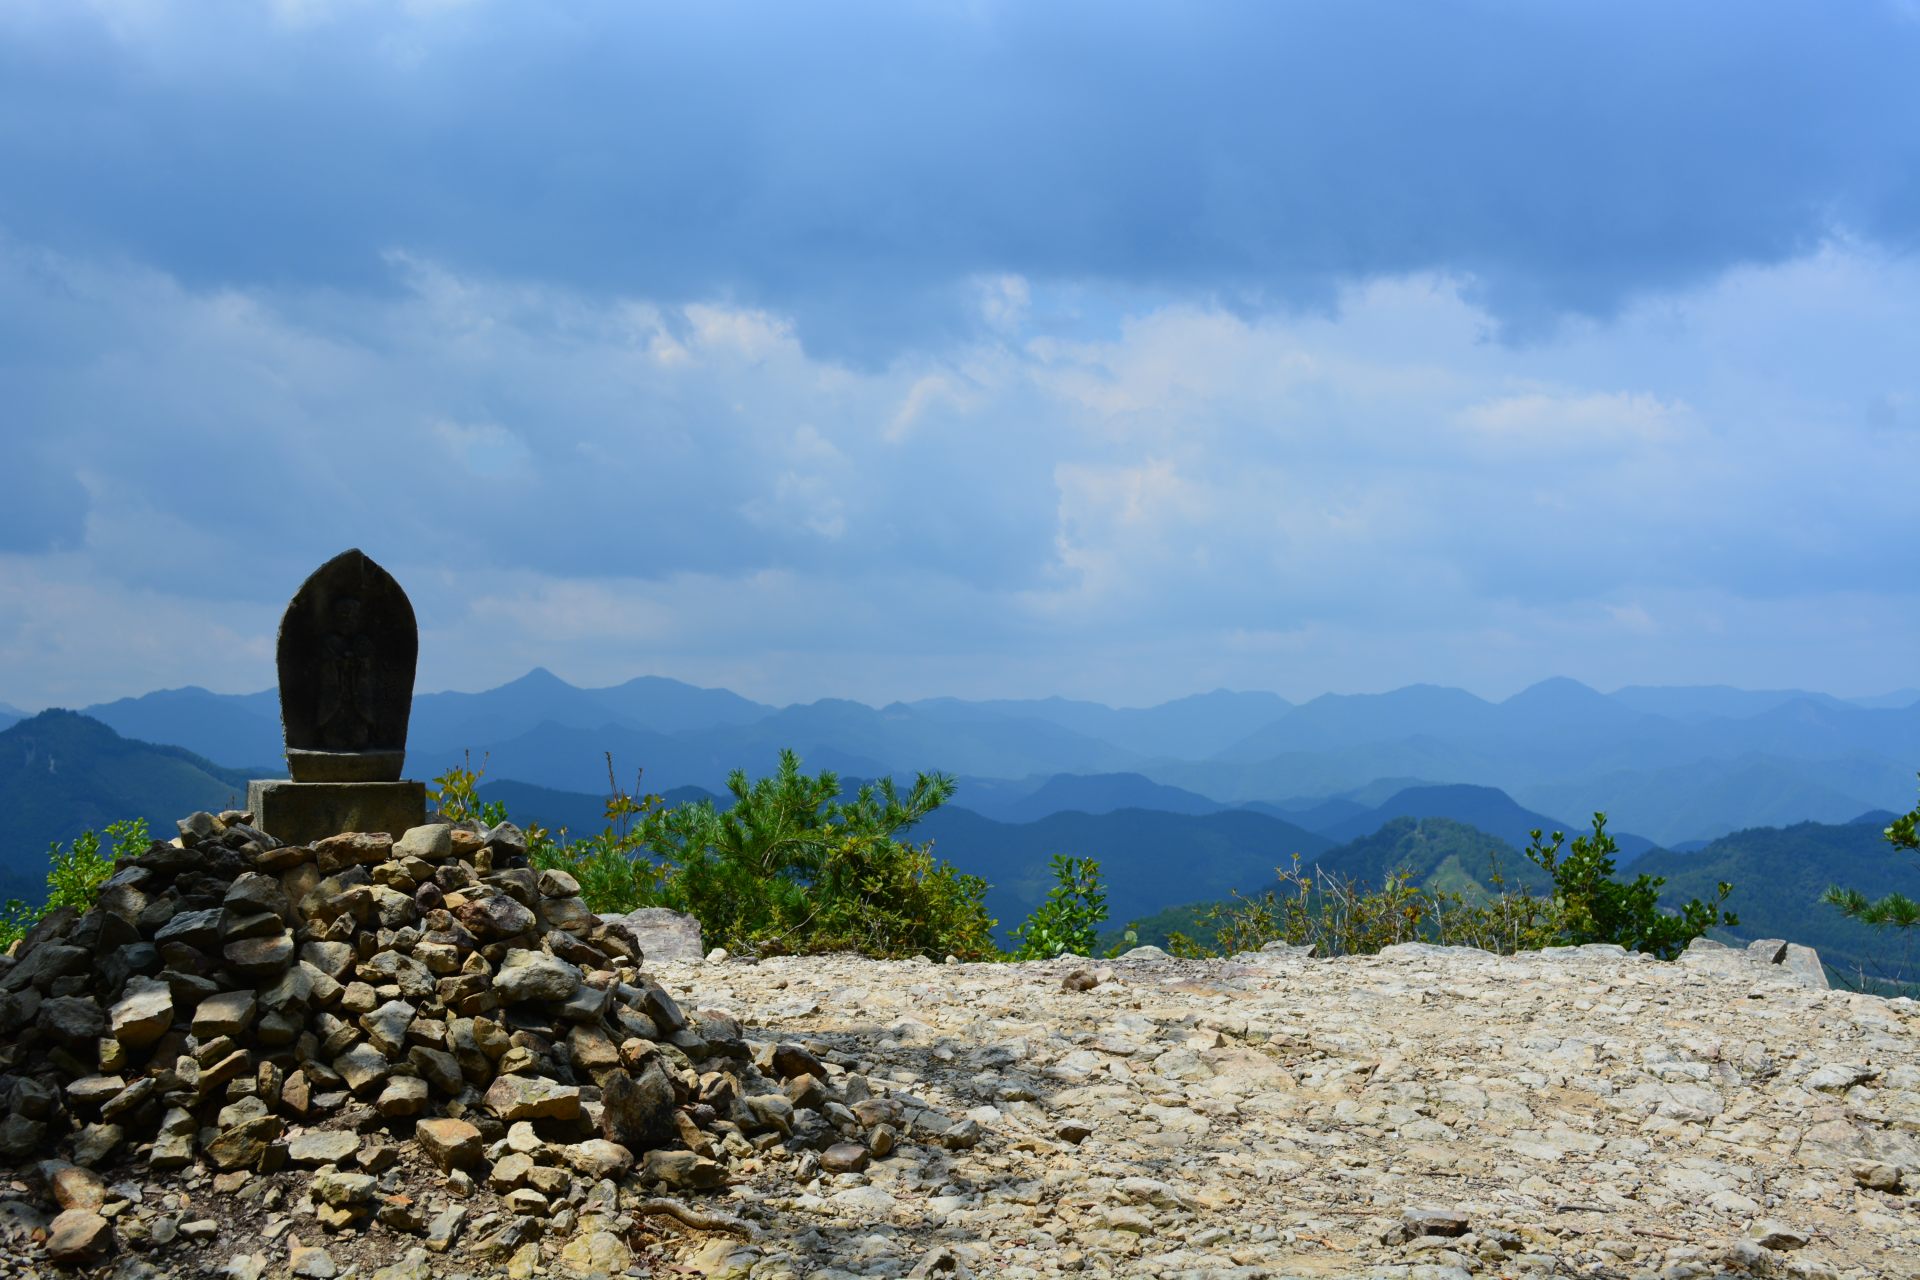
(456, 795)
(1070, 919)
(1592, 906)
(1895, 910)
(75, 873)
(1340, 916)
(790, 866)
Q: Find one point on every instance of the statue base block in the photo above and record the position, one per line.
(303, 812)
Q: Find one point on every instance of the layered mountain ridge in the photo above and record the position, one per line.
(1671, 764)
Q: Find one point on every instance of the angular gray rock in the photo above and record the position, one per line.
(534, 975)
(144, 1013)
(664, 935)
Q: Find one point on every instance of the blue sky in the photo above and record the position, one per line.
(897, 349)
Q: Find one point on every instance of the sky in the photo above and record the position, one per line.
(914, 348)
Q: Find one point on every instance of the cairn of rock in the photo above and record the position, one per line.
(364, 1018)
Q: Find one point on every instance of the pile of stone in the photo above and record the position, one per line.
(365, 1011)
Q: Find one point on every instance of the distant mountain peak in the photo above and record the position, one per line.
(1426, 790)
(538, 678)
(1556, 687)
(64, 720)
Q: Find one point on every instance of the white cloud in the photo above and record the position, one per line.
(1351, 497)
(1004, 302)
(485, 449)
(1545, 422)
(734, 331)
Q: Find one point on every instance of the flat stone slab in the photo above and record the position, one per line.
(307, 812)
(664, 935)
(331, 1146)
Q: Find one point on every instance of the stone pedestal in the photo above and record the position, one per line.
(303, 812)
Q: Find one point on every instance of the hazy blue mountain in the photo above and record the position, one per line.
(1488, 809)
(238, 729)
(1878, 819)
(1190, 728)
(576, 812)
(1694, 703)
(1084, 793)
(1554, 705)
(1779, 873)
(570, 759)
(1307, 776)
(906, 740)
(1671, 764)
(1706, 798)
(1381, 790)
(1898, 698)
(244, 729)
(452, 721)
(1316, 815)
(846, 737)
(990, 796)
(1807, 728)
(10, 715)
(672, 706)
(1335, 720)
(1555, 728)
(1147, 859)
(444, 722)
(62, 773)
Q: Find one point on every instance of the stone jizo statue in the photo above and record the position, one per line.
(348, 646)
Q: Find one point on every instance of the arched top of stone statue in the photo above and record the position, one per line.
(348, 645)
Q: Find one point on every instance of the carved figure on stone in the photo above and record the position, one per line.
(347, 650)
(347, 680)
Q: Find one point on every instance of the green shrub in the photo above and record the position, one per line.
(1338, 915)
(1592, 906)
(456, 795)
(75, 873)
(790, 866)
(1069, 920)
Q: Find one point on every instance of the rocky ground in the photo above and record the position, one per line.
(1426, 1112)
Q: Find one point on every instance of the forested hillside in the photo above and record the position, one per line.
(1435, 853)
(62, 773)
(1778, 875)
